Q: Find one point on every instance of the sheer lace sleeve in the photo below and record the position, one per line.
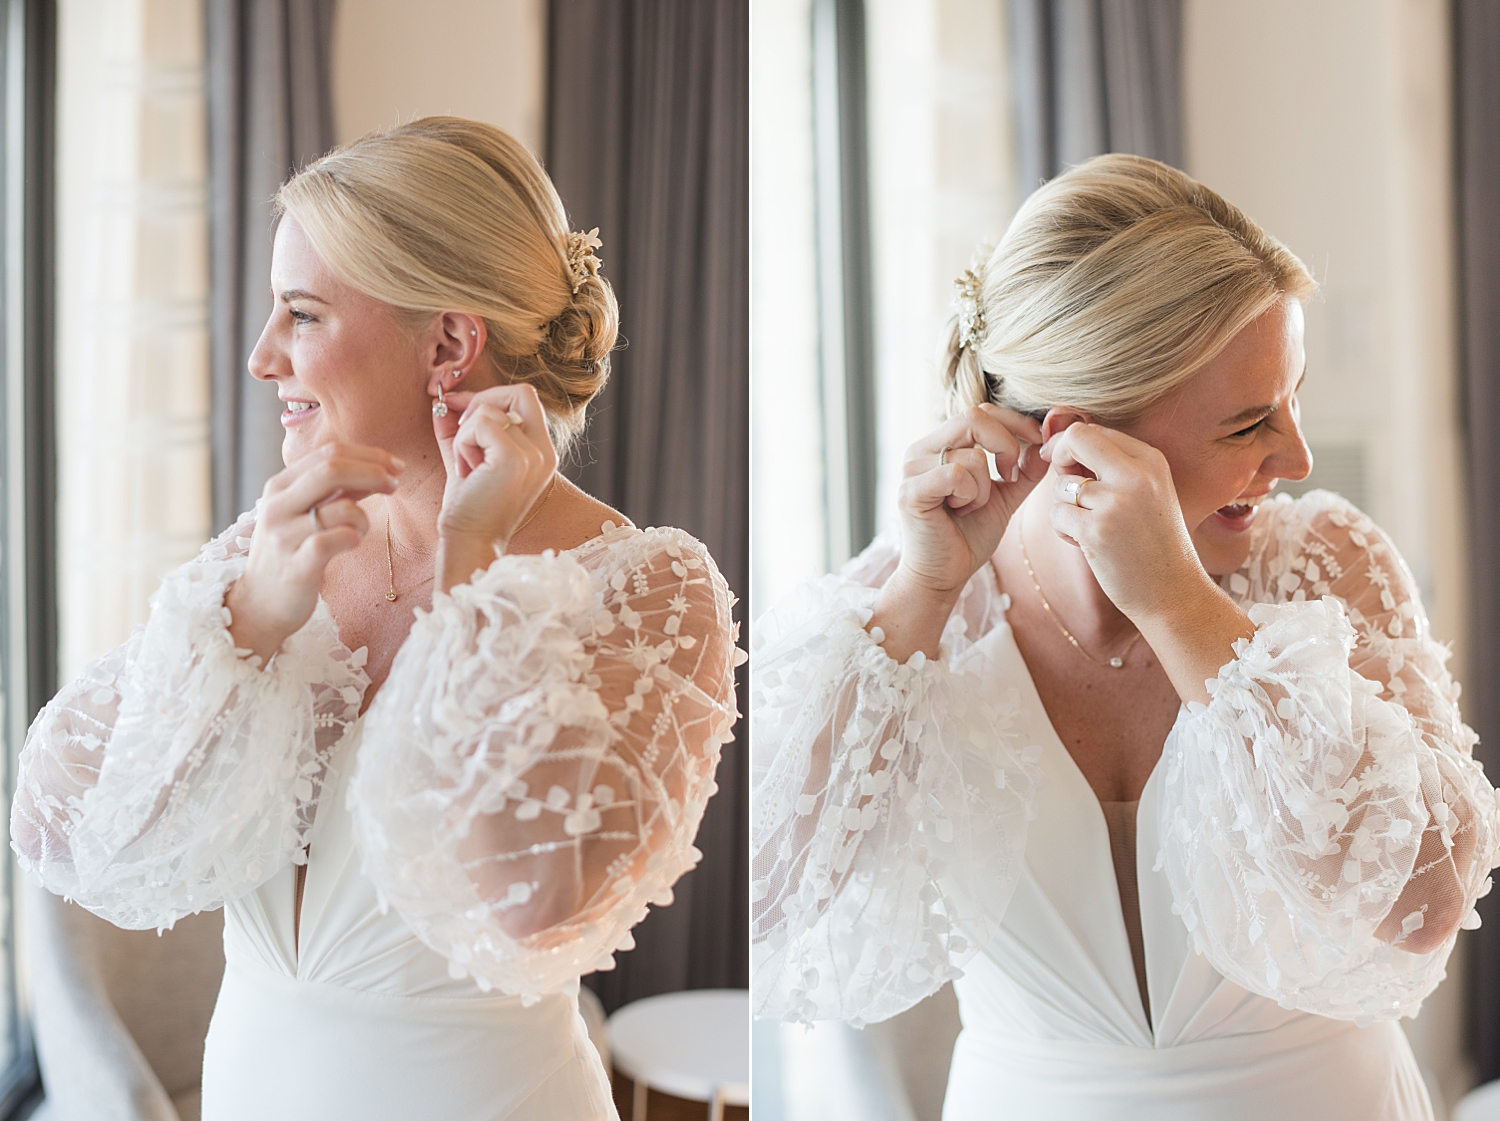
(534, 769)
(174, 773)
(889, 802)
(1326, 829)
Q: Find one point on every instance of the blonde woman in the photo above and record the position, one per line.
(1166, 774)
(430, 723)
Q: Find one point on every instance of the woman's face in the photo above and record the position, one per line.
(345, 366)
(1231, 431)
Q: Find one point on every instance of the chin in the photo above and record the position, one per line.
(1220, 553)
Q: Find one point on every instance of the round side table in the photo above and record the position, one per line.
(693, 1045)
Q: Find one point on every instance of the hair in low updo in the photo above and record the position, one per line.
(445, 214)
(1114, 284)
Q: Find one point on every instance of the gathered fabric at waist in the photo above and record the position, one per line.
(1308, 1069)
(305, 1051)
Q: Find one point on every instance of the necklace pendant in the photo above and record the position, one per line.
(1116, 663)
(391, 596)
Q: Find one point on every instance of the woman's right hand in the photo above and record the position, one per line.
(289, 553)
(952, 518)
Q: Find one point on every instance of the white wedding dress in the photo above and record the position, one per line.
(917, 823)
(530, 776)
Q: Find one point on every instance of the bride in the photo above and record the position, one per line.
(430, 723)
(1165, 773)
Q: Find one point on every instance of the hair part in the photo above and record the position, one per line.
(450, 215)
(1115, 283)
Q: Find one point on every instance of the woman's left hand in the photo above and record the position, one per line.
(500, 462)
(1126, 519)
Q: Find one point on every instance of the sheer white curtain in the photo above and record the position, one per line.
(132, 298)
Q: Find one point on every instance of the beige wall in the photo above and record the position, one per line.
(485, 59)
(1328, 121)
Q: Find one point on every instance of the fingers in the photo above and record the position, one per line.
(499, 424)
(953, 485)
(332, 476)
(999, 431)
(1099, 450)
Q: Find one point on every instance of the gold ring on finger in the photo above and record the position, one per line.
(943, 456)
(1074, 488)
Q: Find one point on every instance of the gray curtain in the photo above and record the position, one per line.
(1095, 76)
(648, 139)
(270, 111)
(1476, 54)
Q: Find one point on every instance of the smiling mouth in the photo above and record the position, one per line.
(1235, 510)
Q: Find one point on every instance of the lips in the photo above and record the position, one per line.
(1239, 515)
(296, 411)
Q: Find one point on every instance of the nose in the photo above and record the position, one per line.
(1292, 460)
(268, 360)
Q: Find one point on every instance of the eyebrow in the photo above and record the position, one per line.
(1260, 412)
(300, 294)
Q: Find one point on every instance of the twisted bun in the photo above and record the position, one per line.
(1113, 285)
(444, 215)
(572, 363)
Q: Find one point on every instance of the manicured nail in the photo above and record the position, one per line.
(1015, 471)
(399, 463)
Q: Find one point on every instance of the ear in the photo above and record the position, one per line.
(455, 344)
(1060, 420)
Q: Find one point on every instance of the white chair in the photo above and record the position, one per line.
(693, 1045)
(1480, 1104)
(120, 1015)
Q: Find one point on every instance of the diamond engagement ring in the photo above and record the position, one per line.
(1074, 487)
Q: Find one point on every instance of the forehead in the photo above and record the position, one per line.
(1260, 366)
(294, 261)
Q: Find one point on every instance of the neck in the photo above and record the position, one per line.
(1063, 572)
(414, 507)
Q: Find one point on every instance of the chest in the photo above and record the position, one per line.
(1113, 722)
(355, 588)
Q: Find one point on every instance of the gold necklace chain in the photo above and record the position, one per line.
(390, 564)
(1117, 662)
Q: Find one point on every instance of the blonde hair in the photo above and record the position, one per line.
(449, 215)
(1114, 284)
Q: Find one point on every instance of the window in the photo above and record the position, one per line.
(27, 615)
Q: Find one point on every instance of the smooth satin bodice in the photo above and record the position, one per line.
(1054, 1023)
(358, 1018)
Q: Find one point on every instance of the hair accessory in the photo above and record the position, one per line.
(440, 406)
(582, 263)
(968, 289)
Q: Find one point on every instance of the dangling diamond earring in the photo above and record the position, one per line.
(440, 406)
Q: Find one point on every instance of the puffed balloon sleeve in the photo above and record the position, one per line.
(176, 772)
(534, 769)
(889, 801)
(1325, 827)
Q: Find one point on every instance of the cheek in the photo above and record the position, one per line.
(1215, 482)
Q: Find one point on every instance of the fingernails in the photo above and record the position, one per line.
(1015, 471)
(400, 464)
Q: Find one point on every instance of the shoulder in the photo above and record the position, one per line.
(1317, 544)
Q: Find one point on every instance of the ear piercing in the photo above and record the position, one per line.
(440, 406)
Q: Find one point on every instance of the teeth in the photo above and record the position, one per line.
(298, 406)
